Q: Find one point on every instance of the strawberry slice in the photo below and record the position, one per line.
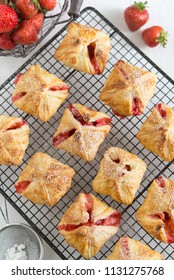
(79, 118)
(101, 122)
(63, 136)
(136, 107)
(92, 57)
(161, 110)
(17, 78)
(125, 244)
(22, 186)
(18, 96)
(112, 220)
(160, 181)
(61, 87)
(17, 125)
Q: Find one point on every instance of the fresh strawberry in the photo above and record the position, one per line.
(6, 42)
(136, 15)
(47, 4)
(8, 18)
(26, 33)
(37, 21)
(154, 36)
(27, 8)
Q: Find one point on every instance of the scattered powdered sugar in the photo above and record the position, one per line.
(16, 252)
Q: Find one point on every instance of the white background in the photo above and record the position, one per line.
(161, 13)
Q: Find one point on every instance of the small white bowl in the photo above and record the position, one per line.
(17, 233)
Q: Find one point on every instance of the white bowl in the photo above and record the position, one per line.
(17, 233)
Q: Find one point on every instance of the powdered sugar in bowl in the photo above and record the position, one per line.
(20, 241)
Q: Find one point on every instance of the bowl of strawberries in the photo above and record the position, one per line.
(25, 23)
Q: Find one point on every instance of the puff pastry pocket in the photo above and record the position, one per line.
(39, 93)
(14, 139)
(84, 48)
(81, 131)
(157, 132)
(156, 214)
(129, 249)
(88, 224)
(44, 180)
(128, 89)
(119, 175)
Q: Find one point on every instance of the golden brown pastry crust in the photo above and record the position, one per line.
(156, 214)
(85, 138)
(84, 48)
(88, 224)
(35, 93)
(14, 139)
(119, 175)
(46, 180)
(128, 89)
(157, 132)
(130, 249)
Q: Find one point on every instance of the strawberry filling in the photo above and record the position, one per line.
(61, 87)
(168, 225)
(112, 220)
(17, 78)
(17, 125)
(22, 186)
(123, 72)
(18, 96)
(116, 160)
(63, 136)
(125, 245)
(92, 57)
(136, 106)
(126, 167)
(117, 114)
(160, 181)
(161, 110)
(79, 118)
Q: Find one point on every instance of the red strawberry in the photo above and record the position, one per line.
(6, 42)
(27, 8)
(48, 4)
(37, 21)
(136, 15)
(8, 18)
(154, 36)
(26, 33)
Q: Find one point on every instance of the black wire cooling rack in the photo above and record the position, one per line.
(85, 89)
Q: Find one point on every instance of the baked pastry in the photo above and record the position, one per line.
(14, 139)
(81, 131)
(156, 214)
(39, 93)
(157, 132)
(129, 249)
(44, 180)
(119, 175)
(128, 89)
(84, 48)
(88, 224)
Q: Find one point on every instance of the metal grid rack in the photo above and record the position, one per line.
(85, 89)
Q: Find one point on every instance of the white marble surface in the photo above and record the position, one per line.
(161, 13)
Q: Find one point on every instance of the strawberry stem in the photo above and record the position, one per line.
(162, 39)
(36, 3)
(141, 5)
